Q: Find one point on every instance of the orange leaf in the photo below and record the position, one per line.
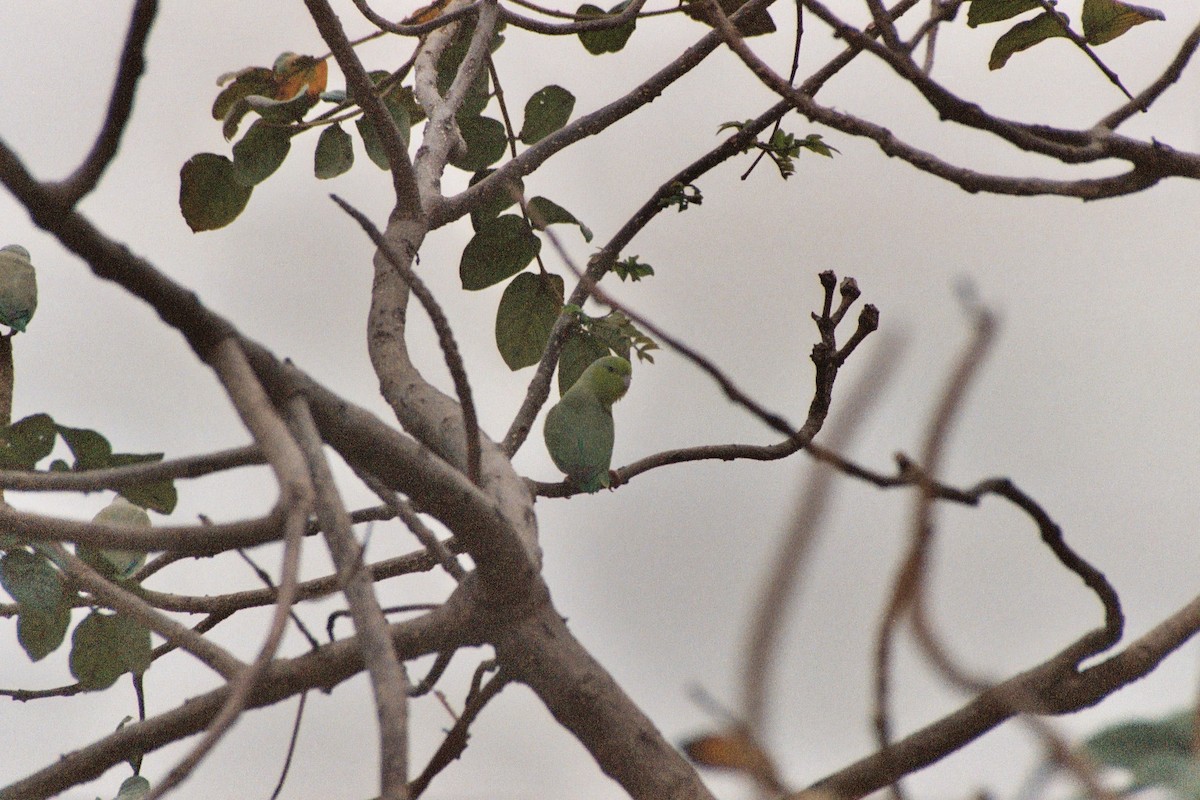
(426, 13)
(293, 72)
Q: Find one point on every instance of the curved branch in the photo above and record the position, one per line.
(132, 64)
(578, 26)
(441, 326)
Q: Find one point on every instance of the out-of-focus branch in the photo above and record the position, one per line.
(283, 678)
(85, 178)
(910, 579)
(1057, 686)
(778, 590)
(270, 433)
(110, 595)
(388, 680)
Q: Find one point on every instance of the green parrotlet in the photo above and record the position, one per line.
(18, 287)
(579, 428)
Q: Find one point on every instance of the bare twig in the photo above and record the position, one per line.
(270, 433)
(133, 474)
(388, 680)
(85, 178)
(771, 611)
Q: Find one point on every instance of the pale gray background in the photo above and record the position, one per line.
(1088, 402)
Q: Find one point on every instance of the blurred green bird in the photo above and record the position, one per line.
(18, 287)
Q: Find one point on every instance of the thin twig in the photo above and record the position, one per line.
(131, 65)
(388, 680)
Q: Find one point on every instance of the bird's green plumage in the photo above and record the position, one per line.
(18, 287)
(579, 429)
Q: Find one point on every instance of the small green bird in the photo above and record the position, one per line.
(579, 429)
(18, 287)
(126, 514)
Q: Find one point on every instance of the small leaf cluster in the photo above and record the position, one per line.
(589, 338)
(214, 189)
(783, 147)
(681, 195)
(1103, 21)
(104, 645)
(30, 440)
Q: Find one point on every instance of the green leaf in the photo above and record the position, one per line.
(611, 40)
(1026, 34)
(478, 95)
(579, 350)
(371, 141)
(485, 139)
(252, 80)
(528, 309)
(1105, 20)
(982, 12)
(503, 247)
(335, 153)
(260, 152)
(26, 442)
(91, 450)
(545, 212)
(31, 580)
(499, 201)
(106, 646)
(160, 496)
(546, 111)
(40, 633)
(291, 109)
(632, 269)
(210, 195)
(135, 787)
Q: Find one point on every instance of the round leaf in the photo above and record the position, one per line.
(547, 111)
(210, 195)
(41, 632)
(105, 646)
(335, 153)
(260, 152)
(528, 309)
(485, 140)
(611, 40)
(503, 247)
(26, 442)
(580, 350)
(31, 580)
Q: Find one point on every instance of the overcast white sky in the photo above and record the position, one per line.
(1088, 402)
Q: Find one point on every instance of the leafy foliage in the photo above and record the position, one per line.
(1103, 21)
(26, 442)
(590, 338)
(783, 147)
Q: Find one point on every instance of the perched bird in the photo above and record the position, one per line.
(579, 429)
(18, 287)
(123, 513)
